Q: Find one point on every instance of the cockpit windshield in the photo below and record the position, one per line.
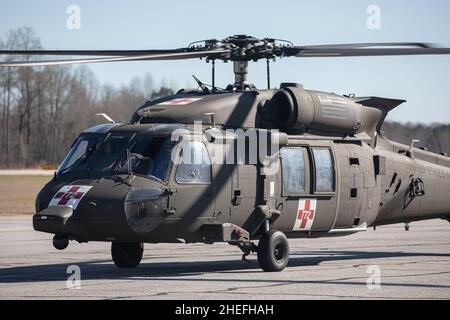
(110, 153)
(79, 154)
(149, 155)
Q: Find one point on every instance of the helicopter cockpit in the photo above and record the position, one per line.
(111, 154)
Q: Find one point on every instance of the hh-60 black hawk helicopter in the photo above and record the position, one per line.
(329, 170)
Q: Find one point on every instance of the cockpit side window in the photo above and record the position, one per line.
(150, 156)
(195, 164)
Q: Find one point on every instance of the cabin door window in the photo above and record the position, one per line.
(293, 170)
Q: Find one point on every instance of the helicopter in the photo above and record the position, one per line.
(241, 165)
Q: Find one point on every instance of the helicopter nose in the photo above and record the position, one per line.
(144, 208)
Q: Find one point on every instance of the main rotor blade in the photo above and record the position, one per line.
(121, 53)
(169, 56)
(366, 49)
(371, 52)
(371, 45)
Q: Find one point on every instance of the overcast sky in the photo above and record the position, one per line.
(423, 81)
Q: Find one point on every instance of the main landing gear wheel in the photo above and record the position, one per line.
(273, 251)
(127, 255)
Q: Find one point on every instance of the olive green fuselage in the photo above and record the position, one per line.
(327, 183)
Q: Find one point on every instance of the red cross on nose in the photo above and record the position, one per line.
(65, 197)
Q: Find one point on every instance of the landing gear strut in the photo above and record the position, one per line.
(127, 255)
(247, 249)
(272, 249)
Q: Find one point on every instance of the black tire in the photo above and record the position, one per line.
(273, 251)
(60, 242)
(127, 255)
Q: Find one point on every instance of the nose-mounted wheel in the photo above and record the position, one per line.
(60, 242)
(273, 251)
(127, 255)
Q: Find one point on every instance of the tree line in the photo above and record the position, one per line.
(43, 109)
(435, 137)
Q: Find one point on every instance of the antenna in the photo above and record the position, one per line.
(104, 115)
(213, 122)
(413, 142)
(213, 64)
(201, 84)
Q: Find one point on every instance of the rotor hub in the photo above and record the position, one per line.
(243, 48)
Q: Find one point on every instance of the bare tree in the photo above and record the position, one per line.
(43, 109)
(435, 137)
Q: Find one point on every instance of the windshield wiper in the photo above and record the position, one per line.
(130, 157)
(130, 169)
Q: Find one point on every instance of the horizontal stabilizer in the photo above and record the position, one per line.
(377, 102)
(384, 104)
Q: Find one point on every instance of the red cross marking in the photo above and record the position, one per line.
(59, 195)
(179, 101)
(69, 195)
(182, 100)
(305, 214)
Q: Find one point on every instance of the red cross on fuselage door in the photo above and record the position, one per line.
(306, 214)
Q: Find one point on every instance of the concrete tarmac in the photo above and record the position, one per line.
(411, 265)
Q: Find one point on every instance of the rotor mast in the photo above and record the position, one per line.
(240, 69)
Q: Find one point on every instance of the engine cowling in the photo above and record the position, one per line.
(295, 108)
